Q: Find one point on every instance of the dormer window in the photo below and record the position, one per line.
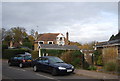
(41, 42)
(50, 42)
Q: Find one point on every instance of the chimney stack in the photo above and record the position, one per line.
(67, 38)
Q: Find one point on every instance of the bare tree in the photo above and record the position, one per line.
(32, 32)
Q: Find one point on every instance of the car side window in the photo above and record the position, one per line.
(39, 59)
(28, 57)
(20, 58)
(45, 60)
(14, 57)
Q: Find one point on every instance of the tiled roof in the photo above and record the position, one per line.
(100, 44)
(112, 42)
(47, 37)
(55, 46)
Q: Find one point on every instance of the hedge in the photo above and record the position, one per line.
(53, 52)
(4, 46)
(28, 44)
(8, 53)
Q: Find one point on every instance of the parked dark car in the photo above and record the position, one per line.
(21, 60)
(52, 64)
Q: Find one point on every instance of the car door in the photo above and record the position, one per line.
(38, 63)
(19, 59)
(45, 64)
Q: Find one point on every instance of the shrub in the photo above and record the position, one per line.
(72, 57)
(97, 57)
(66, 57)
(77, 58)
(8, 53)
(99, 61)
(85, 65)
(92, 68)
(110, 66)
(118, 69)
(76, 62)
(35, 54)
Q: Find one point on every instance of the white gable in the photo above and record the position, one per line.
(61, 39)
(60, 35)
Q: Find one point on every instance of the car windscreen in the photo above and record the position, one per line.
(55, 60)
(28, 57)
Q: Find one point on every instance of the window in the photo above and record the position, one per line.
(57, 37)
(50, 42)
(60, 38)
(15, 58)
(39, 60)
(28, 57)
(20, 58)
(55, 60)
(44, 60)
(41, 42)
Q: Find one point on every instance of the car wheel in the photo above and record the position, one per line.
(9, 63)
(21, 65)
(54, 72)
(35, 69)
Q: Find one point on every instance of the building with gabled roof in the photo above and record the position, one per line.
(110, 50)
(51, 38)
(56, 41)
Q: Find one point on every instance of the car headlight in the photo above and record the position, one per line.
(61, 68)
(72, 67)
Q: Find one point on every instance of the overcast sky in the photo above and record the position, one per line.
(85, 21)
